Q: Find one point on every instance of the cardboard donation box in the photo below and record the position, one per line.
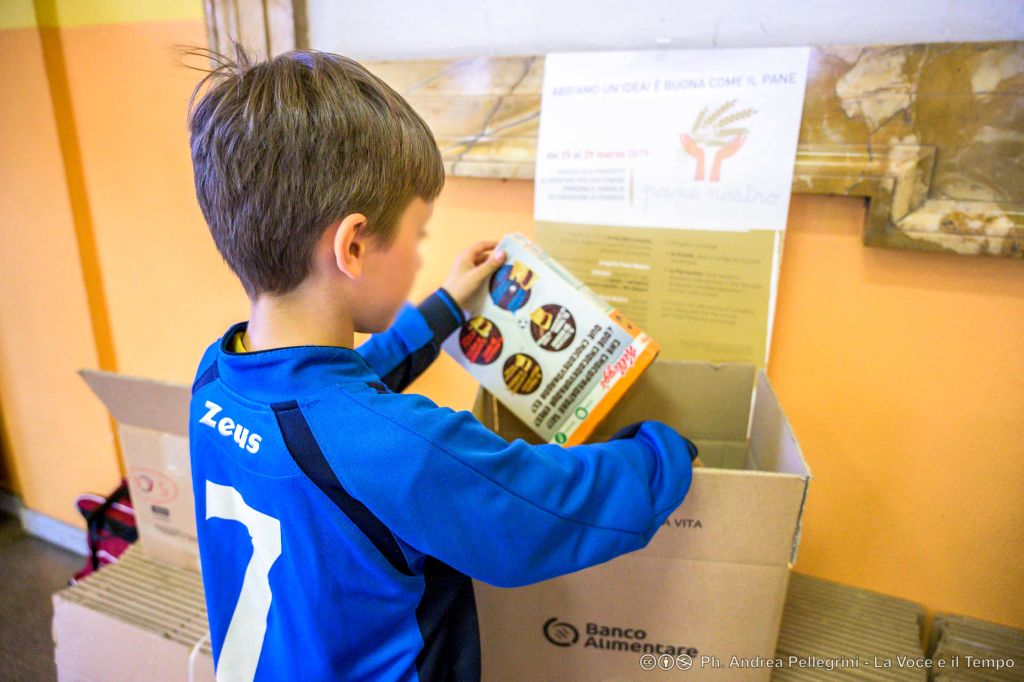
(711, 582)
(137, 620)
(152, 420)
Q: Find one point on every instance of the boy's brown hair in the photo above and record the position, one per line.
(283, 148)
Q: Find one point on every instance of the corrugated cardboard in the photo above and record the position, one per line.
(972, 649)
(712, 581)
(138, 620)
(833, 630)
(152, 418)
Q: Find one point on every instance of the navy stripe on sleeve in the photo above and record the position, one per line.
(208, 375)
(443, 316)
(453, 306)
(447, 619)
(306, 452)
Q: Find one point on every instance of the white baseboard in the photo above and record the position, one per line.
(44, 527)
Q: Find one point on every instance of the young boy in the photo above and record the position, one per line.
(340, 520)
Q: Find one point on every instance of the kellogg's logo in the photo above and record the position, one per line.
(619, 367)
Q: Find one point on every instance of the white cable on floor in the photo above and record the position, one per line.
(194, 654)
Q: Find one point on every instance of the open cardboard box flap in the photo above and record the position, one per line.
(746, 505)
(146, 403)
(152, 419)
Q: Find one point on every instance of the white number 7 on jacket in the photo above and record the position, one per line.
(244, 640)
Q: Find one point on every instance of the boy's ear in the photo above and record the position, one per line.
(350, 244)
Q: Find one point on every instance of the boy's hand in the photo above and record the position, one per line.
(471, 269)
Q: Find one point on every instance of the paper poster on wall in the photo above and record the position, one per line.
(686, 156)
(701, 294)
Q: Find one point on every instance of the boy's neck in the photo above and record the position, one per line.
(300, 318)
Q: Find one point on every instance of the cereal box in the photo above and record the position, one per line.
(548, 348)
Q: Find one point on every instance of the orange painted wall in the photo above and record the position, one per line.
(903, 373)
(903, 376)
(57, 440)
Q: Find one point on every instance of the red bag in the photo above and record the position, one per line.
(110, 524)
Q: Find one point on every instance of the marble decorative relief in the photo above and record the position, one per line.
(931, 135)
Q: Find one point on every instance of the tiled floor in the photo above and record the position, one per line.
(30, 571)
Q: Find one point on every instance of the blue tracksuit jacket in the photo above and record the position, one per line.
(340, 521)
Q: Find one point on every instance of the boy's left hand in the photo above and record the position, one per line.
(471, 269)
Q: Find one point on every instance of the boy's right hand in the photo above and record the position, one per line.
(471, 269)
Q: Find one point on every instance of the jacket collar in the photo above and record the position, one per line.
(288, 373)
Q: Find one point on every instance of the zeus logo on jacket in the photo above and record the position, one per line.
(226, 426)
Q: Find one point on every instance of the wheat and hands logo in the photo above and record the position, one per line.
(560, 633)
(721, 130)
